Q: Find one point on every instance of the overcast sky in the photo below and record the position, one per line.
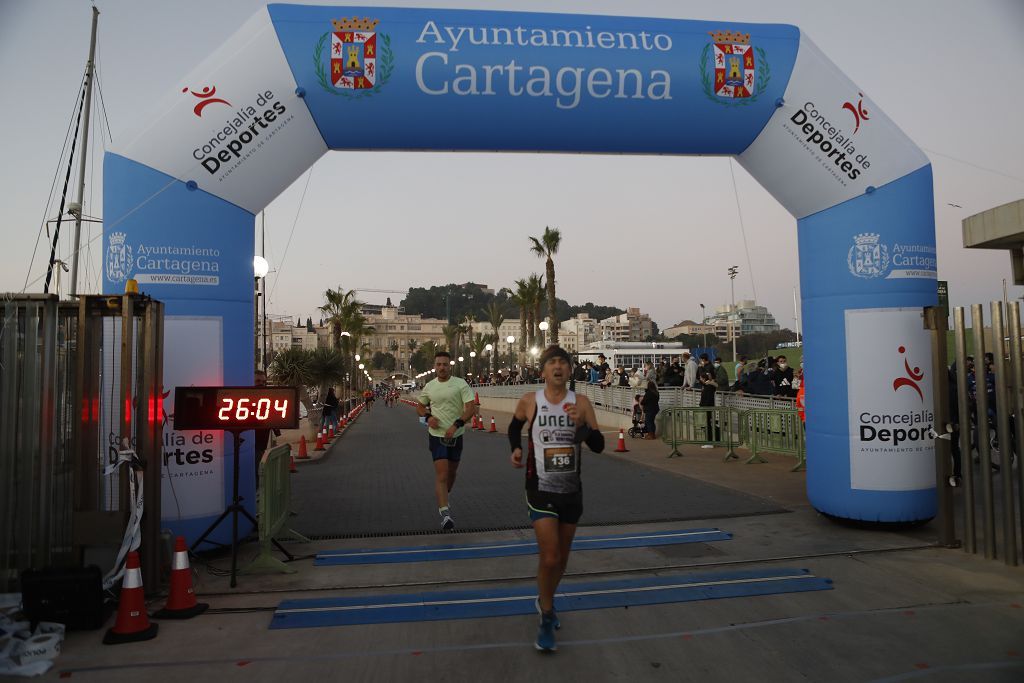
(653, 232)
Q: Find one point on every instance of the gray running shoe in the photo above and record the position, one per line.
(546, 634)
(536, 604)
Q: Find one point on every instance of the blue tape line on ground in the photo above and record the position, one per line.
(512, 548)
(495, 602)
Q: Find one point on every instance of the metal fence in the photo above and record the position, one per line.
(620, 399)
(273, 507)
(987, 431)
(79, 383)
(37, 377)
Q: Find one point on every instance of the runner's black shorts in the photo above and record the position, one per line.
(567, 508)
(442, 450)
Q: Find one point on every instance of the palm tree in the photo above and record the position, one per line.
(451, 337)
(348, 324)
(547, 247)
(326, 369)
(478, 342)
(536, 290)
(521, 298)
(337, 309)
(291, 367)
(495, 314)
(411, 344)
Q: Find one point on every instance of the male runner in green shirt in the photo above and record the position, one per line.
(448, 403)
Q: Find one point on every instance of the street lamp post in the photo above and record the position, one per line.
(511, 340)
(260, 268)
(350, 375)
(704, 323)
(732, 292)
(543, 326)
(490, 357)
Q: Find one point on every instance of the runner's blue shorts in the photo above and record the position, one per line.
(440, 451)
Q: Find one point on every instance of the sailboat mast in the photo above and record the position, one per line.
(89, 69)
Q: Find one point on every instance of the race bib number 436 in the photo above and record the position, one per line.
(560, 459)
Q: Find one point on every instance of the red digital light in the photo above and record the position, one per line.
(236, 408)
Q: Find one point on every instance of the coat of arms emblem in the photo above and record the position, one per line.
(359, 59)
(733, 72)
(119, 258)
(867, 258)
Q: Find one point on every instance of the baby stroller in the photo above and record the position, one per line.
(639, 428)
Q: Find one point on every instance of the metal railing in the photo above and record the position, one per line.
(80, 383)
(713, 425)
(987, 433)
(620, 399)
(273, 507)
(775, 431)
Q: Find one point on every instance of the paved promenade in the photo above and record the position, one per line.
(899, 608)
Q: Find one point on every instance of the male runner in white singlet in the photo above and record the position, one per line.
(559, 421)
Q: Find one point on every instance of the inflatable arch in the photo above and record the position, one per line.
(297, 81)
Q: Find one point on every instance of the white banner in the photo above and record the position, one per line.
(828, 142)
(235, 125)
(888, 355)
(193, 473)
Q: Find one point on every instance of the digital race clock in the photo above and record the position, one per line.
(236, 408)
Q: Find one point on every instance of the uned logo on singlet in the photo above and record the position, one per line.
(554, 421)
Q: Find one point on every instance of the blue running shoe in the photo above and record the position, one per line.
(546, 633)
(536, 604)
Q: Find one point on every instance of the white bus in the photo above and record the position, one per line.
(633, 355)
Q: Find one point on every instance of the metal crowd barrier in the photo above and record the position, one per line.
(698, 425)
(760, 429)
(620, 399)
(776, 431)
(273, 501)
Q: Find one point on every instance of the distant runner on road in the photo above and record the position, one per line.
(559, 421)
(447, 402)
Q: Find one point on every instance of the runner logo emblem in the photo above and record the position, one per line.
(351, 68)
(867, 258)
(730, 72)
(119, 258)
(914, 376)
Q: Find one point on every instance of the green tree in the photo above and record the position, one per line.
(477, 343)
(495, 315)
(451, 337)
(535, 287)
(521, 298)
(383, 361)
(423, 359)
(326, 369)
(546, 247)
(296, 368)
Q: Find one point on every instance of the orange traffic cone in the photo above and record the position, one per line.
(292, 469)
(181, 603)
(621, 448)
(330, 432)
(476, 396)
(492, 429)
(303, 455)
(344, 422)
(480, 424)
(319, 442)
(132, 622)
